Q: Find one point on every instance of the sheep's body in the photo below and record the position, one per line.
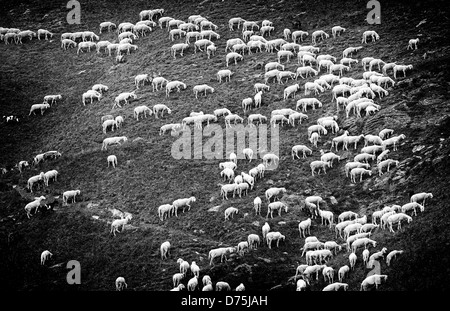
(386, 163)
(112, 159)
(89, 45)
(230, 212)
(274, 236)
(124, 97)
(109, 124)
(320, 165)
(421, 197)
(52, 174)
(412, 206)
(178, 47)
(220, 252)
(276, 206)
(370, 34)
(41, 107)
(178, 85)
(300, 148)
(183, 203)
(120, 283)
(304, 227)
(165, 251)
(397, 218)
(401, 68)
(222, 286)
(374, 279)
(394, 141)
(118, 140)
(34, 205)
(298, 34)
(329, 157)
(392, 255)
(233, 56)
(305, 72)
(290, 90)
(116, 224)
(223, 74)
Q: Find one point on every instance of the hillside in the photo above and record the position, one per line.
(148, 176)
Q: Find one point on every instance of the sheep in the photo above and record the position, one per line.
(314, 165)
(222, 286)
(351, 140)
(297, 148)
(374, 149)
(68, 43)
(328, 274)
(192, 283)
(274, 236)
(311, 86)
(270, 159)
(125, 96)
(304, 227)
(178, 47)
(220, 252)
(284, 54)
(392, 255)
(86, 45)
(276, 118)
(113, 141)
(195, 269)
(290, 90)
(333, 246)
(412, 206)
(70, 194)
(412, 42)
(370, 34)
(329, 157)
(298, 33)
(229, 212)
(338, 67)
(385, 163)
(49, 175)
(120, 283)
(229, 164)
(261, 168)
(43, 107)
(119, 223)
(386, 67)
(362, 242)
(233, 56)
(34, 205)
(108, 25)
(397, 218)
(184, 266)
(319, 33)
(296, 116)
(178, 85)
(165, 251)
(285, 74)
(34, 179)
(164, 20)
(210, 34)
(202, 88)
(266, 29)
(109, 123)
(359, 171)
(352, 259)
(185, 202)
(177, 278)
(274, 193)
(421, 197)
(227, 174)
(112, 159)
(164, 210)
(310, 270)
(402, 68)
(305, 70)
(276, 206)
(374, 279)
(89, 35)
(350, 50)
(393, 141)
(233, 21)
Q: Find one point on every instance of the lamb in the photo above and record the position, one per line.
(34, 205)
(52, 174)
(247, 24)
(362, 242)
(141, 78)
(314, 165)
(230, 211)
(274, 236)
(285, 74)
(124, 47)
(177, 278)
(310, 270)
(266, 29)
(192, 34)
(160, 109)
(70, 194)
(91, 94)
(89, 35)
(393, 141)
(304, 227)
(402, 68)
(273, 65)
(207, 24)
(374, 279)
(165, 251)
(120, 283)
(290, 90)
(119, 121)
(210, 34)
(392, 255)
(333, 246)
(350, 50)
(276, 206)
(184, 266)
(195, 269)
(274, 193)
(174, 85)
(176, 32)
(113, 141)
(100, 88)
(297, 148)
(41, 107)
(51, 99)
(352, 259)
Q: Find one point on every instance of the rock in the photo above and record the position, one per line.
(245, 215)
(95, 217)
(266, 260)
(255, 223)
(212, 199)
(138, 139)
(270, 182)
(281, 223)
(214, 209)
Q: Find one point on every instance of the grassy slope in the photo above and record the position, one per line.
(148, 176)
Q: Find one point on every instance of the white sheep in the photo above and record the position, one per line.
(307, 71)
(184, 266)
(421, 197)
(70, 194)
(412, 206)
(284, 54)
(52, 174)
(359, 171)
(230, 212)
(352, 259)
(117, 223)
(374, 279)
(202, 88)
(312, 86)
(34, 205)
(411, 43)
(290, 90)
(304, 227)
(319, 34)
(178, 47)
(392, 255)
(402, 68)
(118, 140)
(343, 272)
(274, 236)
(34, 179)
(329, 157)
(233, 56)
(86, 45)
(192, 283)
(299, 33)
(370, 34)
(222, 286)
(393, 141)
(275, 118)
(178, 85)
(45, 255)
(338, 67)
(297, 148)
(274, 192)
(177, 278)
(165, 250)
(120, 283)
(164, 210)
(173, 127)
(350, 50)
(223, 74)
(352, 140)
(397, 218)
(386, 163)
(242, 247)
(385, 133)
(41, 107)
(297, 116)
(68, 43)
(227, 188)
(125, 97)
(108, 25)
(276, 206)
(319, 165)
(112, 159)
(220, 252)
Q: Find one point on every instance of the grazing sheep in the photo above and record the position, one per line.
(160, 109)
(304, 227)
(352, 258)
(192, 283)
(374, 279)
(70, 194)
(421, 197)
(222, 286)
(221, 252)
(202, 88)
(393, 141)
(52, 174)
(319, 34)
(178, 47)
(229, 212)
(112, 159)
(41, 107)
(297, 148)
(108, 25)
(233, 56)
(274, 236)
(370, 34)
(45, 255)
(392, 255)
(120, 283)
(113, 141)
(165, 250)
(34, 205)
(253, 241)
(178, 85)
(319, 165)
(177, 278)
(350, 50)
(34, 179)
(402, 68)
(397, 218)
(278, 206)
(125, 97)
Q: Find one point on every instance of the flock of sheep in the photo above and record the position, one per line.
(356, 97)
